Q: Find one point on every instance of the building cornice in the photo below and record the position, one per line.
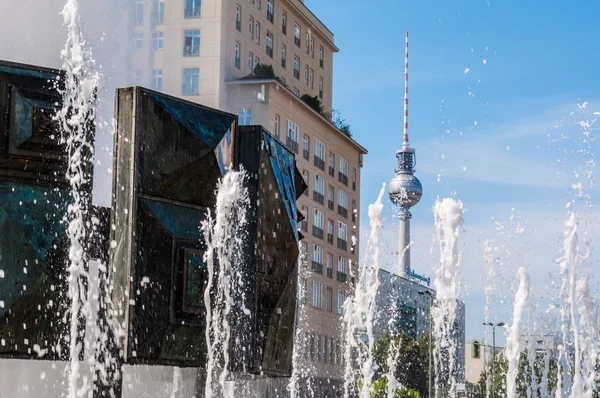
(303, 10)
(276, 83)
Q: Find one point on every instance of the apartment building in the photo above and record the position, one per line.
(206, 51)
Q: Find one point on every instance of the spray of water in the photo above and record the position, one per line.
(448, 220)
(77, 120)
(360, 311)
(224, 236)
(513, 343)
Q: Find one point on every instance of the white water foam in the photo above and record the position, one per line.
(448, 220)
(513, 343)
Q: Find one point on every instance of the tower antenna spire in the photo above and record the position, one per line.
(405, 134)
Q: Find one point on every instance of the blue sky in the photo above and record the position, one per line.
(504, 136)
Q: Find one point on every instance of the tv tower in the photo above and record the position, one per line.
(405, 189)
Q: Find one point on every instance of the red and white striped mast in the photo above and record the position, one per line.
(405, 135)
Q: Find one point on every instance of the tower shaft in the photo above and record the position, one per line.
(404, 246)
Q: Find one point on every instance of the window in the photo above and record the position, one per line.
(250, 60)
(245, 117)
(304, 209)
(325, 345)
(269, 44)
(476, 350)
(341, 297)
(306, 147)
(342, 199)
(354, 211)
(311, 78)
(312, 347)
(328, 307)
(319, 154)
(296, 92)
(330, 195)
(342, 239)
(190, 81)
(258, 32)
(258, 4)
(139, 12)
(354, 179)
(331, 351)
(251, 26)
(283, 49)
(158, 12)
(192, 8)
(270, 10)
(307, 41)
(297, 34)
(330, 261)
(158, 40)
(319, 348)
(318, 220)
(317, 294)
(277, 126)
(256, 61)
(343, 171)
(303, 249)
(137, 77)
(237, 55)
(305, 177)
(306, 73)
(331, 164)
(156, 83)
(296, 67)
(317, 259)
(284, 22)
(137, 41)
(342, 264)
(191, 43)
(312, 47)
(319, 185)
(321, 57)
(238, 18)
(292, 136)
(321, 87)
(302, 291)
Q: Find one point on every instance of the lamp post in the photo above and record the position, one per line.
(430, 295)
(499, 324)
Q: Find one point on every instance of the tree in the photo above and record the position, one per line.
(264, 71)
(335, 117)
(313, 102)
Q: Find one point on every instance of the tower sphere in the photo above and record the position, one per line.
(405, 190)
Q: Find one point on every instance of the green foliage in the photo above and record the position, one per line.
(264, 71)
(313, 102)
(335, 117)
(413, 361)
(379, 390)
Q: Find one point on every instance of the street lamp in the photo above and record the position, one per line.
(430, 295)
(499, 324)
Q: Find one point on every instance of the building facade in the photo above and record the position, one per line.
(206, 52)
(404, 306)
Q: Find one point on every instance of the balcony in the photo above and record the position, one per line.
(270, 16)
(320, 163)
(330, 204)
(354, 185)
(343, 178)
(353, 217)
(192, 12)
(318, 232)
(270, 51)
(306, 154)
(321, 94)
(330, 238)
(317, 267)
(321, 62)
(238, 24)
(283, 63)
(291, 144)
(330, 272)
(342, 276)
(342, 211)
(284, 28)
(297, 73)
(331, 171)
(342, 244)
(237, 63)
(305, 225)
(319, 198)
(297, 40)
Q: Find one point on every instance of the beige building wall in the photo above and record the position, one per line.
(220, 87)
